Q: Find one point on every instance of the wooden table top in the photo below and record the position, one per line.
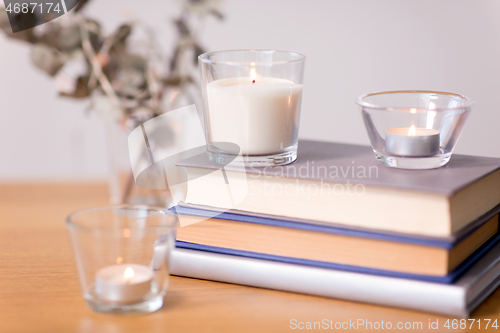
(39, 290)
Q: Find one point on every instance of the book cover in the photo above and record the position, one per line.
(308, 225)
(455, 299)
(447, 279)
(344, 184)
(342, 163)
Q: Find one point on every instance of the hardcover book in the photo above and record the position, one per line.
(333, 244)
(449, 278)
(456, 299)
(344, 184)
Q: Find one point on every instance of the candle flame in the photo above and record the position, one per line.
(253, 74)
(412, 131)
(128, 275)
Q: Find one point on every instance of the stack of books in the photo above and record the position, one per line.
(336, 223)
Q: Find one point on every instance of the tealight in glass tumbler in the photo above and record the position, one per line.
(122, 256)
(252, 102)
(414, 129)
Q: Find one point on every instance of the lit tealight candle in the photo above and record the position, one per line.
(412, 142)
(125, 283)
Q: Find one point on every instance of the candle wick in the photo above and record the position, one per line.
(253, 81)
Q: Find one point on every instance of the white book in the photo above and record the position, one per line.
(457, 299)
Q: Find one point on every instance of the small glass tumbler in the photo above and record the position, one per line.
(122, 256)
(414, 129)
(252, 102)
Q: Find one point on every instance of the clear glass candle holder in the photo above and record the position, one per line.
(252, 102)
(122, 256)
(414, 129)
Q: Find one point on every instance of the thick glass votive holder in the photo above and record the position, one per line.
(122, 256)
(414, 129)
(252, 101)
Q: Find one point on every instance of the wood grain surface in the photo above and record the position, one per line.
(39, 290)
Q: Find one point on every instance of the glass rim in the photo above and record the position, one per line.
(76, 226)
(204, 57)
(360, 101)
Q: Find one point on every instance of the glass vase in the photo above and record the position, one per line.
(122, 186)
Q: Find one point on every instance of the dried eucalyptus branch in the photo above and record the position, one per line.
(120, 83)
(95, 61)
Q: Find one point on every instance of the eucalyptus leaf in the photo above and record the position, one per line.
(172, 80)
(177, 80)
(50, 39)
(123, 32)
(46, 58)
(129, 82)
(69, 38)
(201, 7)
(173, 61)
(182, 27)
(127, 60)
(81, 90)
(217, 14)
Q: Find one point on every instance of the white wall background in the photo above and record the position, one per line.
(352, 47)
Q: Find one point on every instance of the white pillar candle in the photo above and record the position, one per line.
(259, 114)
(412, 142)
(125, 283)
